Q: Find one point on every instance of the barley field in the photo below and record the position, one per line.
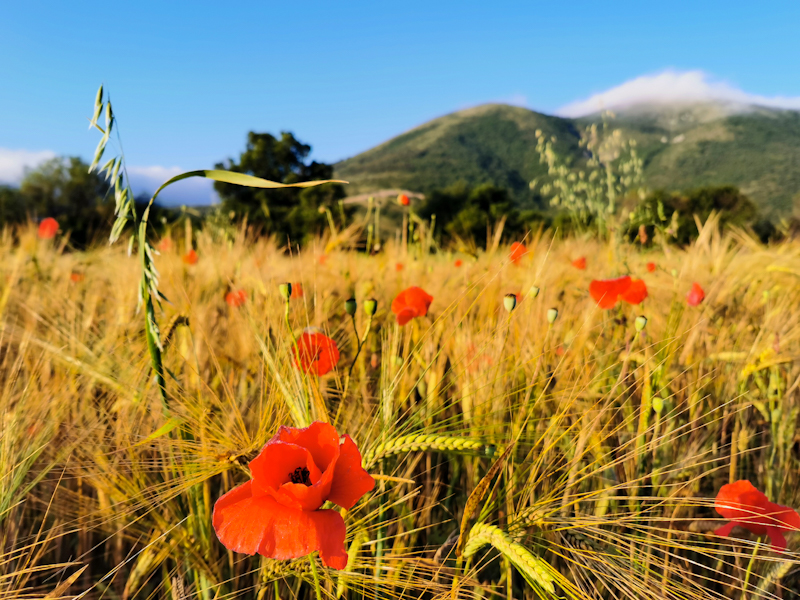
(554, 450)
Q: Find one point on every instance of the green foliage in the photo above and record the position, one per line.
(64, 189)
(12, 206)
(292, 214)
(473, 213)
(674, 213)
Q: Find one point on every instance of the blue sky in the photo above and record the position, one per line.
(189, 80)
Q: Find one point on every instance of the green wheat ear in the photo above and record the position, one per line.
(420, 442)
(533, 568)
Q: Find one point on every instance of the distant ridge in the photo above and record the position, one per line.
(683, 145)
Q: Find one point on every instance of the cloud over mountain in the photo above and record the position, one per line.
(673, 87)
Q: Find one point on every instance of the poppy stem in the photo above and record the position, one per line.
(313, 562)
(361, 341)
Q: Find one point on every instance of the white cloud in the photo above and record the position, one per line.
(14, 162)
(195, 190)
(671, 87)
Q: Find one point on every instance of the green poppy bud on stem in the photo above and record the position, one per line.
(286, 290)
(510, 302)
(641, 322)
(370, 306)
(350, 306)
(534, 291)
(552, 315)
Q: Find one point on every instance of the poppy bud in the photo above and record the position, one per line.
(286, 290)
(350, 306)
(658, 404)
(640, 322)
(370, 306)
(510, 302)
(534, 291)
(552, 315)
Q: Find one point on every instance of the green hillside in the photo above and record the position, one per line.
(757, 150)
(490, 143)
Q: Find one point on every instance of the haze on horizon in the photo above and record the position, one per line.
(188, 85)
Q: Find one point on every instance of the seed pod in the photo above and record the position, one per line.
(552, 315)
(370, 306)
(286, 290)
(641, 322)
(534, 291)
(350, 306)
(510, 302)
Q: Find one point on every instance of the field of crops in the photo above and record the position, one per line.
(578, 451)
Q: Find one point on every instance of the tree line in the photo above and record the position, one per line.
(81, 201)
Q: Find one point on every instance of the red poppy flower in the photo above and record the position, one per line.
(236, 298)
(403, 199)
(297, 290)
(458, 262)
(277, 513)
(517, 252)
(165, 244)
(398, 267)
(636, 292)
(606, 292)
(651, 266)
(519, 297)
(410, 303)
(695, 295)
(48, 228)
(75, 277)
(579, 263)
(317, 352)
(190, 257)
(323, 259)
(742, 504)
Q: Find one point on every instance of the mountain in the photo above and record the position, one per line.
(683, 146)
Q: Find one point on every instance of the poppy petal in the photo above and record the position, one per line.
(725, 530)
(275, 464)
(405, 315)
(249, 524)
(319, 438)
(238, 516)
(606, 292)
(636, 292)
(350, 480)
(776, 538)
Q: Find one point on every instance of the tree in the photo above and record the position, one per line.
(293, 214)
(64, 189)
(674, 213)
(12, 207)
(470, 213)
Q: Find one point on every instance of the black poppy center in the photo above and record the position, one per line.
(300, 475)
